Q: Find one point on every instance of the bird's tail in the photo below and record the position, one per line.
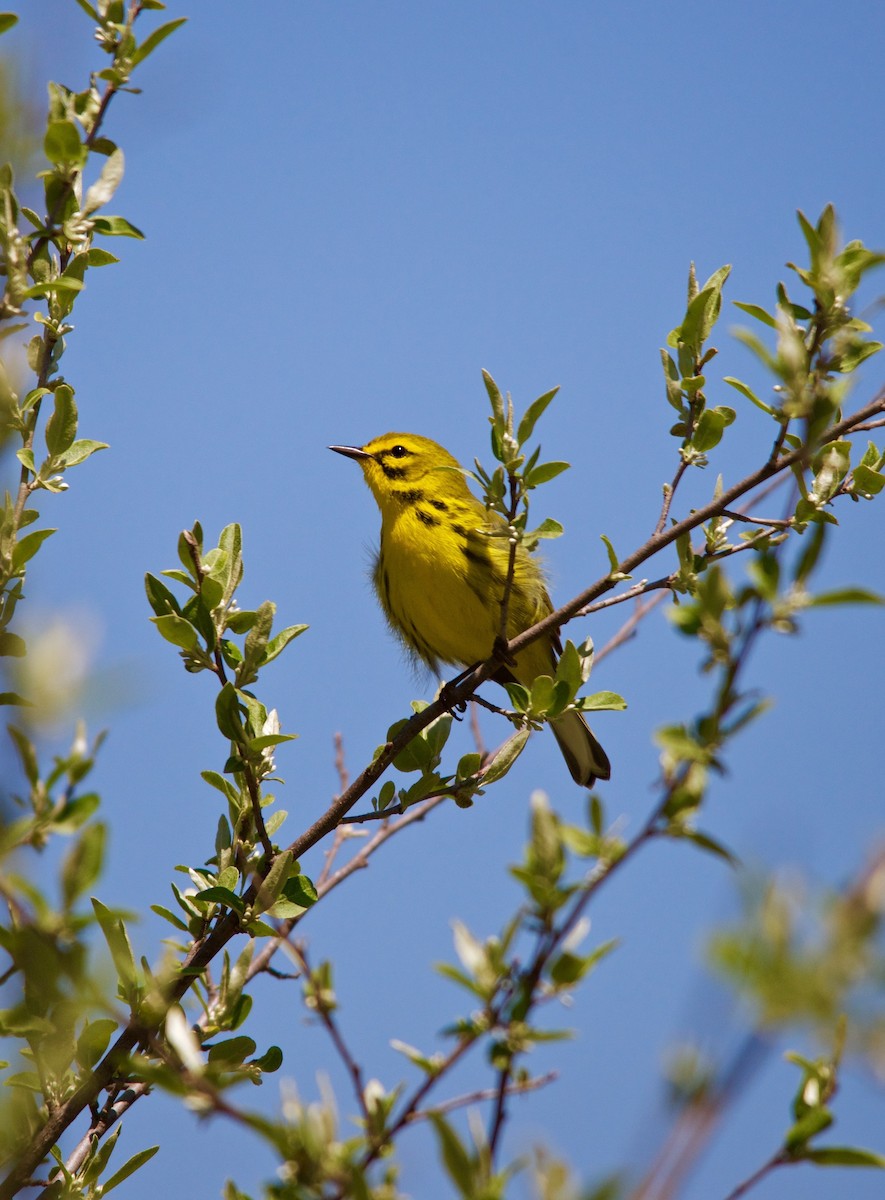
(585, 758)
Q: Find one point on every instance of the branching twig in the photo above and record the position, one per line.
(327, 1018)
(627, 630)
(780, 1159)
(669, 493)
(341, 834)
(774, 522)
(478, 741)
(483, 1094)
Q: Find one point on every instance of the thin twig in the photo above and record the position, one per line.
(777, 1160)
(775, 522)
(104, 1120)
(511, 561)
(359, 861)
(476, 731)
(628, 629)
(341, 834)
(483, 1094)
(696, 1123)
(325, 1014)
(669, 493)
(633, 593)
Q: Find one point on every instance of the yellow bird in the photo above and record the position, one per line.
(440, 578)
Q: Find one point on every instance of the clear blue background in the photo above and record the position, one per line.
(350, 209)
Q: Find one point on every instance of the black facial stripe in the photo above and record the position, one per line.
(392, 472)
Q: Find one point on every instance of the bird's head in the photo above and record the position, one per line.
(399, 463)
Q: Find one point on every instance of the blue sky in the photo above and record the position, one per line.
(350, 210)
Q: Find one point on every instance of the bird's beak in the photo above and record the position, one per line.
(351, 452)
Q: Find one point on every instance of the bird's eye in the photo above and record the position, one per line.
(399, 452)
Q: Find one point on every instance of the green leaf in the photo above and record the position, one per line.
(79, 452)
(601, 702)
(153, 40)
(866, 481)
(220, 895)
(228, 716)
(750, 395)
(710, 427)
(107, 183)
(97, 257)
(129, 1168)
(707, 843)
(547, 529)
(232, 1050)
(49, 287)
(93, 1041)
(842, 1156)
(848, 595)
(811, 551)
(27, 546)
(703, 311)
(671, 378)
(505, 757)
(76, 812)
(163, 912)
(532, 413)
(456, 1159)
(118, 943)
(494, 392)
(852, 356)
(544, 472)
(270, 1060)
(240, 621)
(271, 887)
(116, 227)
(82, 864)
(11, 645)
(61, 428)
(813, 1122)
(178, 631)
(161, 600)
(613, 561)
(416, 755)
(301, 891)
(62, 144)
(759, 313)
(569, 967)
(280, 641)
(7, 20)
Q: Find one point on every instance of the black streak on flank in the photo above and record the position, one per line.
(410, 497)
(385, 584)
(440, 505)
(460, 530)
(477, 558)
(425, 517)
